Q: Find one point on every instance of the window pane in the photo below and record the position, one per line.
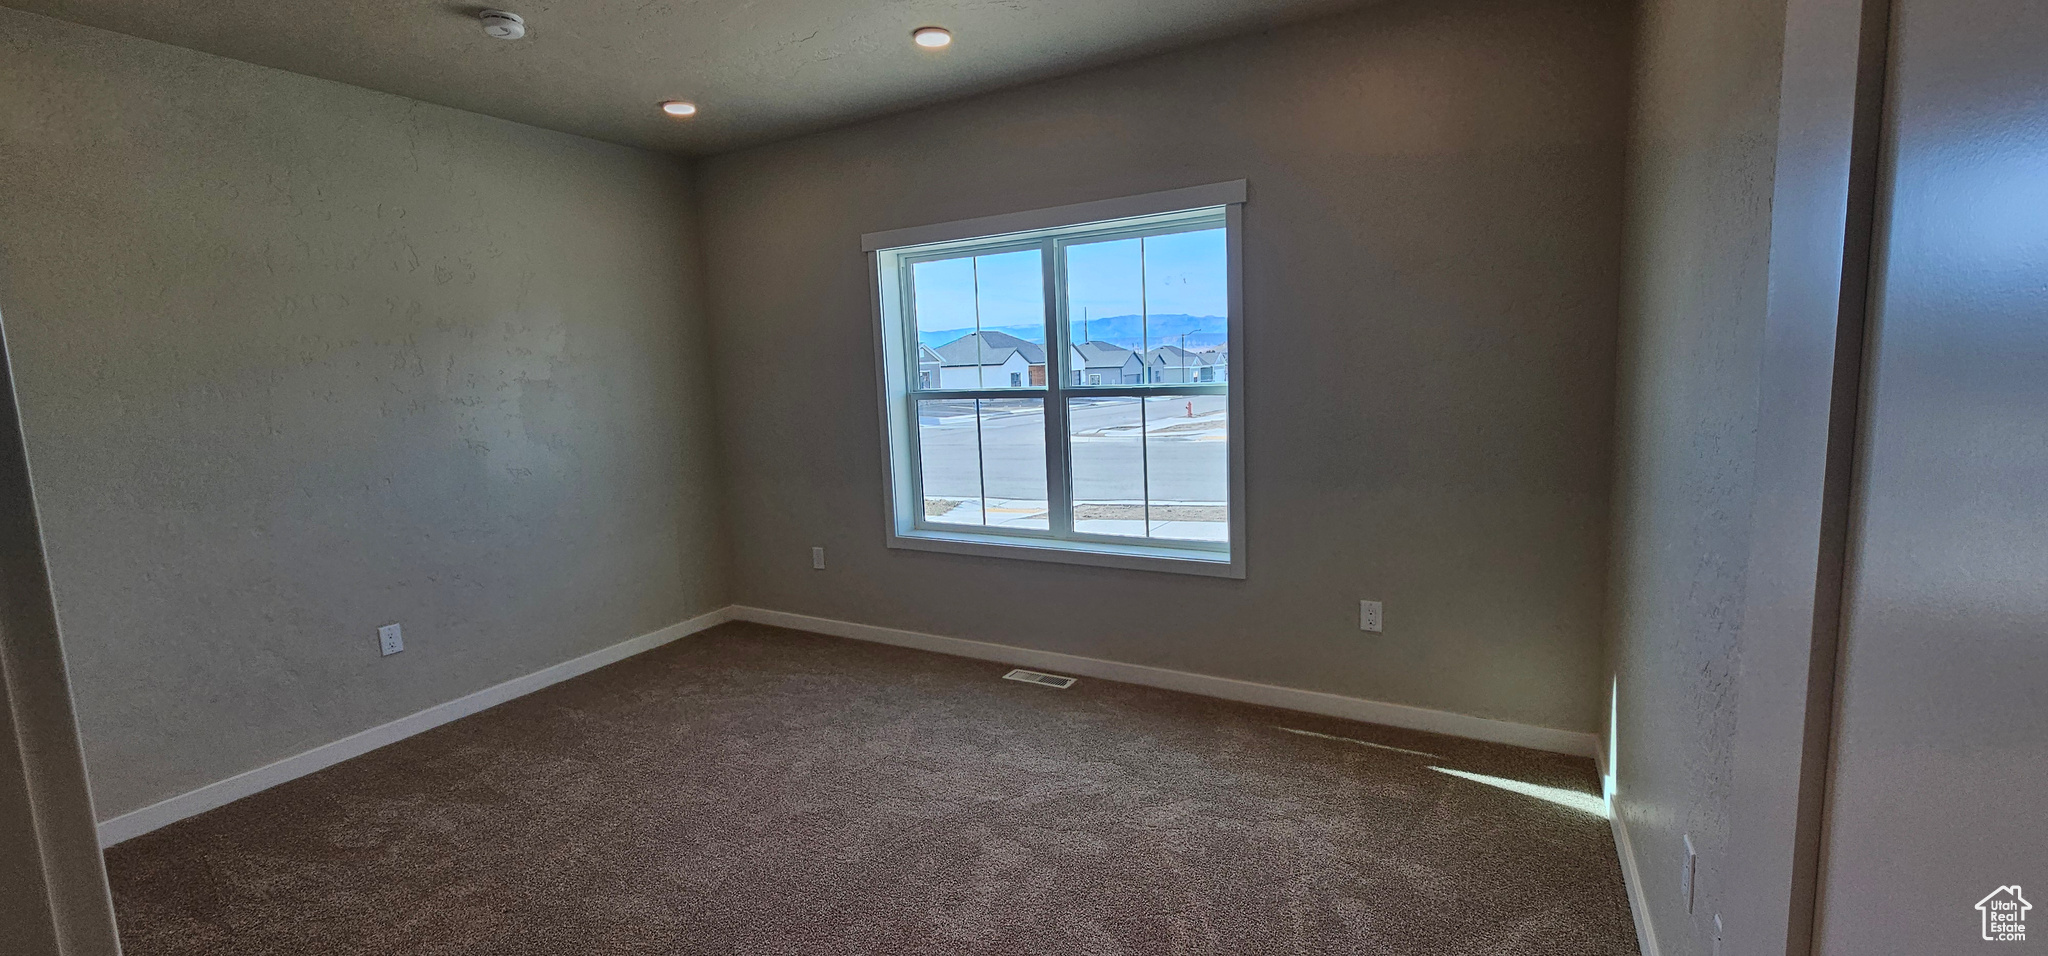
(1013, 462)
(1107, 438)
(1186, 307)
(1187, 468)
(989, 471)
(981, 321)
(1011, 291)
(944, 313)
(1105, 306)
(949, 462)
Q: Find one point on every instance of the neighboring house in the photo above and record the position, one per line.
(927, 367)
(1100, 363)
(988, 360)
(1173, 365)
(1219, 360)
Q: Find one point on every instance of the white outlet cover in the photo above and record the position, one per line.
(390, 639)
(1370, 618)
(818, 558)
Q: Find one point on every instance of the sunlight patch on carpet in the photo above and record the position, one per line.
(1584, 802)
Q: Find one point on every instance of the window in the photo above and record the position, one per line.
(987, 334)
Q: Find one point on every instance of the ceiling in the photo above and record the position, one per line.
(758, 69)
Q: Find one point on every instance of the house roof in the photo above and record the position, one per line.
(994, 348)
(1102, 354)
(1176, 356)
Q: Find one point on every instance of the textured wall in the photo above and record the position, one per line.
(1431, 258)
(1703, 141)
(297, 359)
(1940, 768)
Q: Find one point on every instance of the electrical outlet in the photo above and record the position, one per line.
(390, 639)
(1369, 616)
(1685, 876)
(818, 558)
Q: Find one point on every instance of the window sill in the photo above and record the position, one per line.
(1135, 557)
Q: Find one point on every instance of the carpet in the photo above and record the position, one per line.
(764, 791)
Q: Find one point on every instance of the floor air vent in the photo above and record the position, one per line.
(1034, 677)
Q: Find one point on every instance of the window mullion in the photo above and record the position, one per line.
(1145, 462)
(1154, 391)
(988, 394)
(981, 461)
(1058, 490)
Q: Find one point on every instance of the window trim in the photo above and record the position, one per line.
(896, 362)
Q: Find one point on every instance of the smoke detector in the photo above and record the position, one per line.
(502, 25)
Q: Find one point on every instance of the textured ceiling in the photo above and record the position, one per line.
(759, 69)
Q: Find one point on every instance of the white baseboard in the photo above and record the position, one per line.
(138, 822)
(1631, 878)
(1314, 702)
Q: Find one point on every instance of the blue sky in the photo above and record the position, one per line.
(1182, 273)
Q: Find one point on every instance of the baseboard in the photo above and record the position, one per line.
(137, 822)
(1631, 878)
(164, 813)
(1314, 702)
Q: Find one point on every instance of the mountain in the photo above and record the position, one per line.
(1129, 331)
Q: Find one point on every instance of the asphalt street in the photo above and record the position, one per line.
(1178, 451)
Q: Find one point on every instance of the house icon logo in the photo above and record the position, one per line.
(2004, 915)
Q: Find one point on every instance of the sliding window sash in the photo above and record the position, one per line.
(895, 303)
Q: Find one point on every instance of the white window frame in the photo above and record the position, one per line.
(896, 364)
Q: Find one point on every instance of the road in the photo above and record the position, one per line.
(1180, 448)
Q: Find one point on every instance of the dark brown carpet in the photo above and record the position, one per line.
(756, 790)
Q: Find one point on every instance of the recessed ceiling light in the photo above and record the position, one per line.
(931, 37)
(679, 108)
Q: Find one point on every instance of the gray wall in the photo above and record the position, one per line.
(1432, 248)
(1702, 155)
(1940, 767)
(297, 359)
